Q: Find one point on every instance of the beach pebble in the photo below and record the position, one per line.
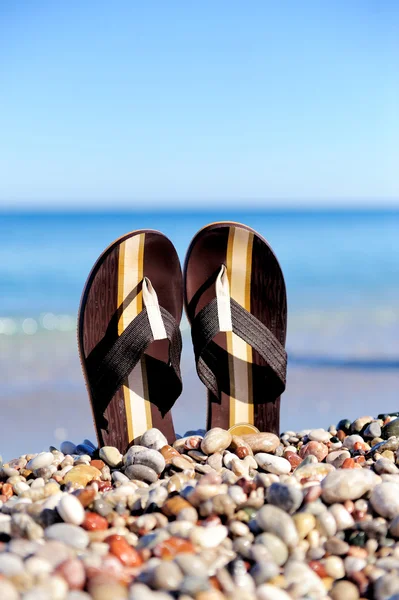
(287, 497)
(347, 484)
(142, 473)
(274, 520)
(215, 440)
(267, 591)
(319, 435)
(10, 564)
(68, 447)
(44, 459)
(208, 537)
(71, 510)
(351, 440)
(111, 456)
(8, 591)
(344, 590)
(276, 547)
(385, 499)
(390, 429)
(69, 534)
(261, 442)
(316, 449)
(146, 457)
(153, 439)
(384, 465)
(73, 572)
(82, 475)
(272, 463)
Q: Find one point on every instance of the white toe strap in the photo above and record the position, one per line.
(150, 300)
(223, 300)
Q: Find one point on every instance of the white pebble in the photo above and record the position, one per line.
(71, 510)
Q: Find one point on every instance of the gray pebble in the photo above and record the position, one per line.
(72, 535)
(287, 497)
(10, 564)
(153, 439)
(142, 473)
(149, 458)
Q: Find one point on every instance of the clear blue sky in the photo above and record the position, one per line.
(185, 101)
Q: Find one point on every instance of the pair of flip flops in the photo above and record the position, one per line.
(130, 343)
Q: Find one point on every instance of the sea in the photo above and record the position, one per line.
(341, 269)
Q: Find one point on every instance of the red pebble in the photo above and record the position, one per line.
(293, 458)
(348, 463)
(172, 546)
(318, 568)
(7, 490)
(316, 449)
(94, 522)
(98, 464)
(119, 547)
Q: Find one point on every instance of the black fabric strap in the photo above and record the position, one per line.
(108, 367)
(205, 327)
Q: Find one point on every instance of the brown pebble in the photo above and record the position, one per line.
(86, 496)
(168, 453)
(348, 463)
(174, 505)
(98, 464)
(316, 449)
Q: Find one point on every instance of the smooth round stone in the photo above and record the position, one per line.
(351, 440)
(390, 429)
(373, 430)
(263, 571)
(386, 587)
(71, 510)
(77, 595)
(10, 564)
(82, 474)
(38, 566)
(73, 572)
(111, 456)
(394, 527)
(190, 564)
(306, 582)
(215, 440)
(266, 591)
(326, 524)
(68, 447)
(304, 523)
(166, 576)
(54, 552)
(118, 476)
(274, 520)
(153, 439)
(347, 484)
(343, 518)
(44, 459)
(336, 546)
(287, 497)
(384, 465)
(360, 423)
(312, 472)
(261, 442)
(278, 550)
(319, 435)
(73, 536)
(385, 499)
(8, 591)
(316, 449)
(273, 464)
(334, 565)
(208, 537)
(337, 457)
(142, 473)
(344, 590)
(149, 458)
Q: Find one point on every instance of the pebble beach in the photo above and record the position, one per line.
(312, 514)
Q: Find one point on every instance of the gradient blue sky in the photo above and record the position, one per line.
(198, 102)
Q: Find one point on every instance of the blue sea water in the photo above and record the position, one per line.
(342, 277)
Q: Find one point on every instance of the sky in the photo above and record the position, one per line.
(164, 103)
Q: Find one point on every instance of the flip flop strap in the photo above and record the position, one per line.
(213, 319)
(108, 368)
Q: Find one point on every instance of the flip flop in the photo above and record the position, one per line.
(235, 300)
(129, 338)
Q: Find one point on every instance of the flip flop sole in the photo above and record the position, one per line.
(111, 299)
(257, 284)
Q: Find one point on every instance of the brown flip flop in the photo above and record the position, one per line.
(129, 338)
(235, 300)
